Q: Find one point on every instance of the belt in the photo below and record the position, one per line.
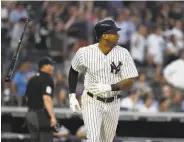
(105, 100)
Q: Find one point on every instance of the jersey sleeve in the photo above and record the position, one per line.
(128, 69)
(78, 61)
(47, 87)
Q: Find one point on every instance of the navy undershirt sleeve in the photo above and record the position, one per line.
(72, 80)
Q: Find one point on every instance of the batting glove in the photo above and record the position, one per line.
(74, 104)
(98, 88)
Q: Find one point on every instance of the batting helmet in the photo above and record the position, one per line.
(105, 27)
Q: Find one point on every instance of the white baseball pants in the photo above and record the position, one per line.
(100, 118)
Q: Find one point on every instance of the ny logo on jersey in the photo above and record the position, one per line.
(115, 69)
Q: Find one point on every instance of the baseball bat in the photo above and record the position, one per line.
(15, 56)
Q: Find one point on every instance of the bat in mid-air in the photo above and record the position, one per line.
(15, 56)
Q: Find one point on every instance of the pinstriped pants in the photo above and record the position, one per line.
(100, 118)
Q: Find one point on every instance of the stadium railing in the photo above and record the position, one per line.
(124, 115)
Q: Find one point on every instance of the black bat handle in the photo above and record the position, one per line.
(11, 70)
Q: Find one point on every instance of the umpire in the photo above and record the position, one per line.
(40, 117)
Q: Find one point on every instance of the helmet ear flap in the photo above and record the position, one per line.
(98, 34)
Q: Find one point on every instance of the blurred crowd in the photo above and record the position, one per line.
(153, 32)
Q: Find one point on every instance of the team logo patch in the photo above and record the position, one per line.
(48, 89)
(115, 69)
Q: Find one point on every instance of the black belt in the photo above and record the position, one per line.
(105, 100)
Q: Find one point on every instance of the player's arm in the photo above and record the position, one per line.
(72, 80)
(76, 67)
(122, 85)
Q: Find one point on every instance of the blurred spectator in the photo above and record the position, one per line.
(123, 23)
(4, 12)
(16, 34)
(59, 12)
(157, 84)
(103, 14)
(132, 24)
(18, 13)
(61, 100)
(76, 28)
(130, 102)
(173, 73)
(164, 105)
(146, 17)
(147, 105)
(60, 81)
(155, 47)
(137, 47)
(166, 91)
(176, 102)
(176, 11)
(172, 50)
(141, 83)
(18, 84)
(163, 17)
(178, 34)
(4, 19)
(43, 31)
(114, 6)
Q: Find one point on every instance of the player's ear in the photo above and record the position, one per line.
(105, 36)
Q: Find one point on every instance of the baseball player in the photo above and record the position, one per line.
(108, 69)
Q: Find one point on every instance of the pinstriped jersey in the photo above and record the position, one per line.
(117, 65)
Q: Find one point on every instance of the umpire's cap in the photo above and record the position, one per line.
(45, 61)
(107, 26)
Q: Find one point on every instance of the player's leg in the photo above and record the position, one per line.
(92, 117)
(102, 133)
(110, 121)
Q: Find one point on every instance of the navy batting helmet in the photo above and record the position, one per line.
(106, 27)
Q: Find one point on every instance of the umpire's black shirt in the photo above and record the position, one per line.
(39, 85)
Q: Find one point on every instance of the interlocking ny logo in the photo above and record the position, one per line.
(115, 69)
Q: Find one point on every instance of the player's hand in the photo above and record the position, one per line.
(97, 88)
(53, 122)
(74, 104)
